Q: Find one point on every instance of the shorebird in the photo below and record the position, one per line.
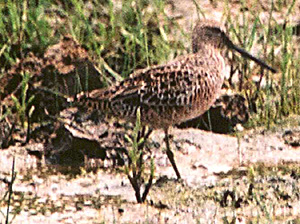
(175, 92)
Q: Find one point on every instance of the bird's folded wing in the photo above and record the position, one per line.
(172, 84)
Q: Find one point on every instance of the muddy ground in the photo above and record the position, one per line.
(211, 164)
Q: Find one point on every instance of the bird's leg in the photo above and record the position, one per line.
(170, 154)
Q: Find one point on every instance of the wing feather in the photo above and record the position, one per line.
(172, 84)
(165, 85)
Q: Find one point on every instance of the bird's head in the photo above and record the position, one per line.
(210, 34)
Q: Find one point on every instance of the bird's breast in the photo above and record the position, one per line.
(206, 89)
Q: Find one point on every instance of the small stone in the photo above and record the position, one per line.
(33, 211)
(39, 181)
(239, 127)
(42, 201)
(88, 203)
(17, 204)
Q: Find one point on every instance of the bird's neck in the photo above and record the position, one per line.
(210, 49)
(207, 48)
(216, 55)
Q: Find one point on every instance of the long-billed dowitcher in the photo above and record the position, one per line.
(174, 92)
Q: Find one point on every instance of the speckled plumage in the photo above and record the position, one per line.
(174, 92)
(167, 94)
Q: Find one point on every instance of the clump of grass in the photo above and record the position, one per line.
(23, 107)
(127, 37)
(130, 36)
(23, 29)
(279, 96)
(136, 169)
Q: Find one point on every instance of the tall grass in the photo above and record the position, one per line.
(273, 41)
(127, 37)
(23, 29)
(138, 170)
(133, 35)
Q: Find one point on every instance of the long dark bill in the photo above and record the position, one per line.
(258, 61)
